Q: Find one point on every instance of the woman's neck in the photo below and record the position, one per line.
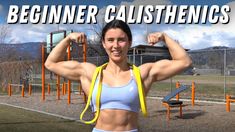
(117, 67)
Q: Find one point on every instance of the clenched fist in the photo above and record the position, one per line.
(153, 38)
(79, 38)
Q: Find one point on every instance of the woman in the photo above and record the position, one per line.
(116, 113)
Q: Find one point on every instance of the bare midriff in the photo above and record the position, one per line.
(117, 120)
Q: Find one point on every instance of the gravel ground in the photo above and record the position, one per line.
(203, 117)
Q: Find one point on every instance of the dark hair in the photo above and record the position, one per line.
(117, 24)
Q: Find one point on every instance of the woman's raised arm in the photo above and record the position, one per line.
(164, 69)
(72, 70)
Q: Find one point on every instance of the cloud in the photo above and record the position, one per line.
(189, 36)
(136, 3)
(38, 32)
(230, 27)
(194, 36)
(30, 33)
(198, 36)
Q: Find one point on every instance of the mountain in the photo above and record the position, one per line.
(214, 48)
(32, 51)
(214, 58)
(22, 51)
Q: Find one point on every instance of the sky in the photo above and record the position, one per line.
(190, 36)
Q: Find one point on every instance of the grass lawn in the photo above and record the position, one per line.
(207, 87)
(206, 78)
(19, 120)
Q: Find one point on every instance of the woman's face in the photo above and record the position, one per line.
(116, 44)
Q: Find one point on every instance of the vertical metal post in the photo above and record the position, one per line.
(177, 85)
(69, 82)
(84, 46)
(22, 90)
(43, 74)
(228, 103)
(48, 89)
(58, 87)
(193, 93)
(225, 73)
(30, 89)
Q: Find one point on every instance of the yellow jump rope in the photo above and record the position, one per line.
(97, 72)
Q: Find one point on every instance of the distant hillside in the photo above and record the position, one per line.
(22, 51)
(32, 51)
(214, 48)
(213, 58)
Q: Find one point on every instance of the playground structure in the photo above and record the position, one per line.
(17, 85)
(52, 42)
(22, 86)
(229, 100)
(66, 85)
(193, 87)
(168, 103)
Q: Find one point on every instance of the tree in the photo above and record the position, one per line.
(5, 32)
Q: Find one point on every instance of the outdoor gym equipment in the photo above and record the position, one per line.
(177, 85)
(52, 41)
(229, 100)
(15, 85)
(168, 103)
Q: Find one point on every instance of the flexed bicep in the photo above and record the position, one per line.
(165, 69)
(72, 70)
(69, 69)
(160, 70)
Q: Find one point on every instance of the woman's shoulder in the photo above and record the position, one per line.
(89, 68)
(88, 65)
(145, 67)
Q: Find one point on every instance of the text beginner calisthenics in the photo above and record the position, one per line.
(80, 14)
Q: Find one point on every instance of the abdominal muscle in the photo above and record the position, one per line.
(117, 120)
